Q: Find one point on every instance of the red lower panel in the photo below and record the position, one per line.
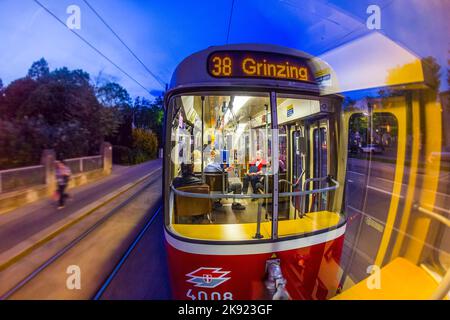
(311, 273)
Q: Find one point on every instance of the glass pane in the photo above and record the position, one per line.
(303, 156)
(371, 164)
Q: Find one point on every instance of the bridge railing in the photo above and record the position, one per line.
(85, 164)
(19, 178)
(26, 177)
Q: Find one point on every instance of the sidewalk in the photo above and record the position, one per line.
(23, 223)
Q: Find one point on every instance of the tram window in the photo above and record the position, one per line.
(320, 166)
(442, 248)
(222, 175)
(303, 155)
(227, 140)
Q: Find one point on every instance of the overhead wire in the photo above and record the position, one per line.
(93, 47)
(229, 20)
(156, 77)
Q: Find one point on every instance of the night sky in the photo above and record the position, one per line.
(162, 33)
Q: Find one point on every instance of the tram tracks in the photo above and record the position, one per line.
(126, 255)
(124, 218)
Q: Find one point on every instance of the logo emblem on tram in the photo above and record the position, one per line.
(207, 277)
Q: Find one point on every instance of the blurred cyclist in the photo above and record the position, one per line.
(62, 179)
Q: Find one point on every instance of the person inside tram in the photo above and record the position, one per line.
(187, 177)
(215, 167)
(282, 163)
(197, 156)
(254, 176)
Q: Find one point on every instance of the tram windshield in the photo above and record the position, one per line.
(222, 170)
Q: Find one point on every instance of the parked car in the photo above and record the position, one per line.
(372, 148)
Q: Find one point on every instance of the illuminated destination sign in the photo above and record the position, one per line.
(244, 64)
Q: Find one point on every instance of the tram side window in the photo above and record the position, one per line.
(370, 182)
(303, 167)
(221, 148)
(320, 150)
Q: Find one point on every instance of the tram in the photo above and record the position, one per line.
(276, 186)
(253, 146)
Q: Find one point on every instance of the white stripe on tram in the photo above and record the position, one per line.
(257, 248)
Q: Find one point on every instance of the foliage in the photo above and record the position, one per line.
(122, 155)
(39, 69)
(113, 95)
(434, 70)
(110, 121)
(64, 111)
(144, 148)
(145, 144)
(149, 115)
(118, 112)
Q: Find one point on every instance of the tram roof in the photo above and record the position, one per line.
(192, 71)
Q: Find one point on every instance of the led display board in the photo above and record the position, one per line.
(244, 64)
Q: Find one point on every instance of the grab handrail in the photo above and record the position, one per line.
(444, 286)
(434, 215)
(295, 184)
(257, 196)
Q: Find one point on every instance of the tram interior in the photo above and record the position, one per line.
(226, 140)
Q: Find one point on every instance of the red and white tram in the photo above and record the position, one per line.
(253, 176)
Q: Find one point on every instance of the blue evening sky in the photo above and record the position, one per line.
(162, 33)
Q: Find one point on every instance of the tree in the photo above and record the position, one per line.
(113, 95)
(448, 71)
(110, 121)
(63, 110)
(39, 69)
(14, 95)
(434, 72)
(149, 115)
(76, 78)
(67, 100)
(145, 145)
(2, 99)
(119, 113)
(58, 111)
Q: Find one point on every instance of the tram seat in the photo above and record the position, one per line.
(188, 207)
(283, 208)
(400, 280)
(282, 187)
(217, 181)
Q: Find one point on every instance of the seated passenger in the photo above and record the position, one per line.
(188, 179)
(235, 187)
(255, 172)
(197, 157)
(281, 167)
(282, 164)
(187, 176)
(213, 166)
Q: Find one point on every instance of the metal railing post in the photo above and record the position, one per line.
(258, 234)
(275, 151)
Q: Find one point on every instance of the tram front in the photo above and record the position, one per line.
(253, 176)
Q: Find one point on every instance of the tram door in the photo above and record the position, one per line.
(318, 166)
(298, 161)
